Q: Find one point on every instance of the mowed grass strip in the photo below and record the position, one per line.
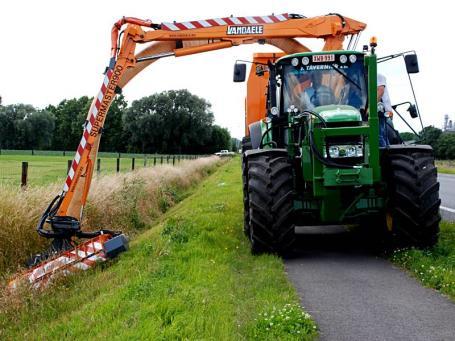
(434, 267)
(190, 277)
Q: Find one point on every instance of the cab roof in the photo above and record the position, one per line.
(311, 53)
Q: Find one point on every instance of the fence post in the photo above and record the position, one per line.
(167, 159)
(98, 166)
(64, 153)
(119, 155)
(145, 161)
(132, 163)
(154, 160)
(118, 165)
(161, 159)
(173, 160)
(33, 153)
(24, 175)
(68, 167)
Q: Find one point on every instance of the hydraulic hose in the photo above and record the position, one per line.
(50, 211)
(321, 158)
(315, 150)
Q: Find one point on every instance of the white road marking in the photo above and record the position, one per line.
(448, 209)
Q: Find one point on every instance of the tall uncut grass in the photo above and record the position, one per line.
(127, 202)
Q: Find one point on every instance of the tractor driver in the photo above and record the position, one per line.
(309, 91)
(301, 91)
(384, 110)
(320, 94)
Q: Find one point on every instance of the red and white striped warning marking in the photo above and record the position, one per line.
(82, 257)
(87, 130)
(189, 25)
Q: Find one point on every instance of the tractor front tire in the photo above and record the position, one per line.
(270, 193)
(246, 145)
(412, 212)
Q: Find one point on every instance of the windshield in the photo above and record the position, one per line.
(323, 83)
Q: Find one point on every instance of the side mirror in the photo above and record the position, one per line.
(413, 111)
(412, 65)
(239, 72)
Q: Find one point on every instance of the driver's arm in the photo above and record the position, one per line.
(380, 91)
(381, 86)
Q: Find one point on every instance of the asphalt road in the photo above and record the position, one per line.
(354, 294)
(447, 194)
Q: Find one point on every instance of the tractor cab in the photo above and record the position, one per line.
(331, 84)
(311, 154)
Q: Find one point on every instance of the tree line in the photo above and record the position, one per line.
(443, 143)
(170, 122)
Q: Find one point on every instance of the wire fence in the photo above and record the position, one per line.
(43, 167)
(34, 152)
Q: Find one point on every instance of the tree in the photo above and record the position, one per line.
(407, 136)
(24, 127)
(445, 146)
(113, 139)
(235, 144)
(22, 134)
(168, 122)
(221, 139)
(7, 132)
(430, 135)
(70, 115)
(174, 121)
(42, 124)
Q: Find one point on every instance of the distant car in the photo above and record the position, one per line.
(224, 152)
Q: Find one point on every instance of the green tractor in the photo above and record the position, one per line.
(316, 159)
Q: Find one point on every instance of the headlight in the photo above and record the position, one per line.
(348, 150)
(334, 151)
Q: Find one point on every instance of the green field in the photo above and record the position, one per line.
(191, 276)
(46, 169)
(446, 166)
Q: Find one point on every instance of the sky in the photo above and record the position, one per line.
(52, 50)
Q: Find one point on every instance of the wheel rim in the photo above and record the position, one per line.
(389, 221)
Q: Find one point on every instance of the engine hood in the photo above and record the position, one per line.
(338, 113)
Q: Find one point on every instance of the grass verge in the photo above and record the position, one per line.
(126, 202)
(190, 277)
(434, 267)
(446, 166)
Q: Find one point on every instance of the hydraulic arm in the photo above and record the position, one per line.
(61, 220)
(181, 39)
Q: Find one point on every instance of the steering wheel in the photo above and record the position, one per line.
(323, 95)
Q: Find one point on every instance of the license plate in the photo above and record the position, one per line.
(321, 58)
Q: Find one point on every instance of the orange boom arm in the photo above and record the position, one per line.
(181, 39)
(64, 213)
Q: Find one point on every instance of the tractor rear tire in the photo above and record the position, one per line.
(271, 198)
(412, 212)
